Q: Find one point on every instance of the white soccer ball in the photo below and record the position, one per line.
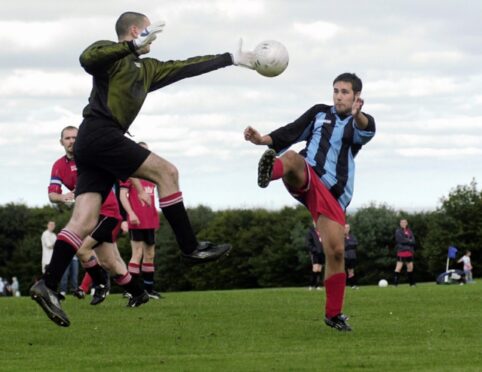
(382, 283)
(271, 58)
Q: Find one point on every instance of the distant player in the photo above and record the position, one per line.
(143, 221)
(322, 175)
(315, 248)
(405, 245)
(64, 172)
(350, 257)
(467, 266)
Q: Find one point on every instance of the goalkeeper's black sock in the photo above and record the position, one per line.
(173, 209)
(65, 247)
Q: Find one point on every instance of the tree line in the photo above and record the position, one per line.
(268, 246)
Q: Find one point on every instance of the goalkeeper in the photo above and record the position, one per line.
(121, 82)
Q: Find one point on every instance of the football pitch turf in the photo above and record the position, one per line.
(427, 328)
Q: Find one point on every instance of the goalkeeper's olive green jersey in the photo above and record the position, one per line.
(122, 79)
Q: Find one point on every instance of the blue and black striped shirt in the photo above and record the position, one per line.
(332, 142)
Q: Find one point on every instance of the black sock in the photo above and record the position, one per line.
(351, 281)
(314, 279)
(175, 213)
(348, 281)
(134, 286)
(395, 278)
(411, 278)
(98, 275)
(148, 278)
(318, 279)
(61, 258)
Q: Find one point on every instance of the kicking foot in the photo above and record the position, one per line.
(206, 252)
(49, 302)
(265, 168)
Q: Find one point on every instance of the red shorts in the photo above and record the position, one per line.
(318, 199)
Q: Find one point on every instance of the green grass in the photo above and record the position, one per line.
(427, 328)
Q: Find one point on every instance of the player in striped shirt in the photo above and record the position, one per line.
(321, 176)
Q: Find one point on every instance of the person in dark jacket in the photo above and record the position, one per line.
(350, 257)
(315, 249)
(405, 245)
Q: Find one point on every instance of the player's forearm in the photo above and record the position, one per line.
(361, 121)
(56, 198)
(137, 184)
(169, 72)
(125, 202)
(266, 140)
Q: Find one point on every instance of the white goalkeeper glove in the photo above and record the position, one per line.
(241, 58)
(148, 35)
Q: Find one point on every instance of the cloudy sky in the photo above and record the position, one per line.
(420, 61)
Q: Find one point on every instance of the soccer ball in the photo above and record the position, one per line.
(271, 58)
(382, 283)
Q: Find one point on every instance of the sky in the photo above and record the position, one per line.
(420, 62)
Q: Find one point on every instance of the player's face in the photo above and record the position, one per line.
(343, 97)
(51, 226)
(68, 140)
(403, 224)
(347, 229)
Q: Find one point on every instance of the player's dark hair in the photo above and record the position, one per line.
(349, 77)
(126, 20)
(69, 127)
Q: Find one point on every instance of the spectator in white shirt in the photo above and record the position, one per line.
(48, 241)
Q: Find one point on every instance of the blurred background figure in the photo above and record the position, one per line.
(15, 287)
(48, 240)
(315, 249)
(467, 266)
(350, 257)
(405, 244)
(70, 277)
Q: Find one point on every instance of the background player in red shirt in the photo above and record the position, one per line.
(64, 172)
(143, 221)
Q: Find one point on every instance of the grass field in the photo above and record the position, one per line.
(427, 328)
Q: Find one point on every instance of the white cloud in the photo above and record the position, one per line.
(230, 9)
(38, 83)
(52, 36)
(439, 153)
(412, 86)
(438, 57)
(319, 30)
